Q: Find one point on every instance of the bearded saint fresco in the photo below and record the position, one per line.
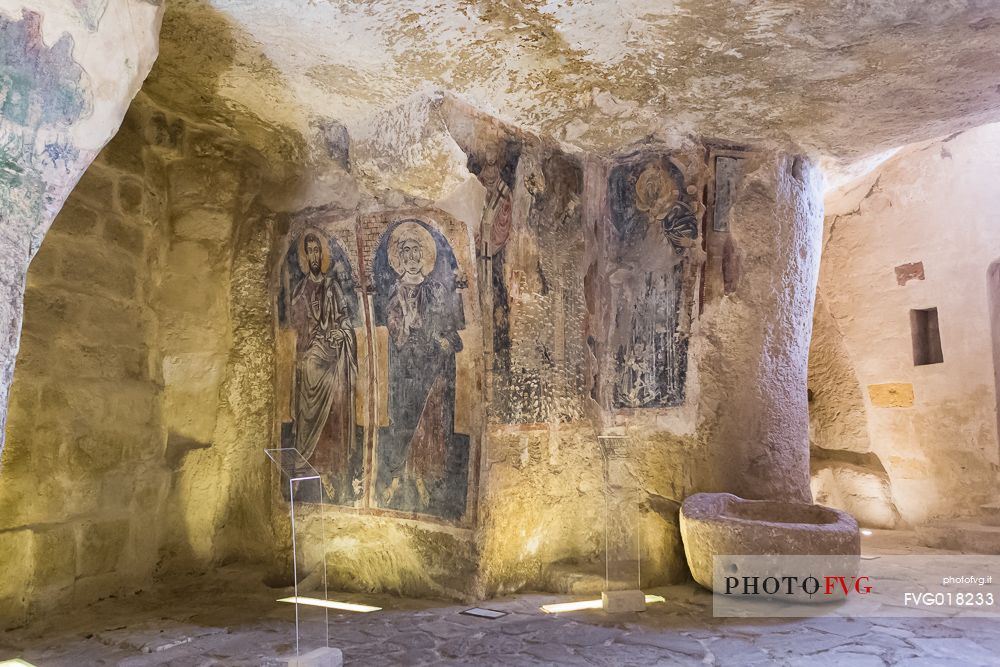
(326, 365)
(421, 463)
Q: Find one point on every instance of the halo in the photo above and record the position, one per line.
(654, 191)
(324, 248)
(412, 229)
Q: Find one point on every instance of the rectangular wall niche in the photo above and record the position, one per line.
(926, 337)
(728, 171)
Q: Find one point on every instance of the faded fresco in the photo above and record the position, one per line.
(317, 302)
(655, 215)
(421, 463)
(374, 381)
(530, 245)
(554, 303)
(41, 95)
(496, 169)
(91, 12)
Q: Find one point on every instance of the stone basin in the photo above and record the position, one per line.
(717, 524)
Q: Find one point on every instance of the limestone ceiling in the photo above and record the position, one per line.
(843, 78)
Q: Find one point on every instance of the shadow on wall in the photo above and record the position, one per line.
(215, 336)
(138, 419)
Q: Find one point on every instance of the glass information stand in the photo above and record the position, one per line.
(304, 486)
(622, 575)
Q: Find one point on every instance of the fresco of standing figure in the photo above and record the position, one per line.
(422, 464)
(326, 369)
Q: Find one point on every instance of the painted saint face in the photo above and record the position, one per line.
(315, 255)
(411, 256)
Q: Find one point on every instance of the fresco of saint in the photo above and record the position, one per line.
(422, 464)
(653, 211)
(326, 367)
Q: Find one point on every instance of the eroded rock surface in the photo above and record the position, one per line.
(846, 79)
(510, 229)
(928, 423)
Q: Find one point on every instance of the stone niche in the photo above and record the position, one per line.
(447, 364)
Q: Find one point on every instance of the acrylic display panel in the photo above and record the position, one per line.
(309, 551)
(622, 512)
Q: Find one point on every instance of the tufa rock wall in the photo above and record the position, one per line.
(608, 304)
(140, 372)
(84, 483)
(61, 99)
(928, 431)
(491, 315)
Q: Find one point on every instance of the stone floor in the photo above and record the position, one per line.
(229, 618)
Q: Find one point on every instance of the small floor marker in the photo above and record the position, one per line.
(484, 613)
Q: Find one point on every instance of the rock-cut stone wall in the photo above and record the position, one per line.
(906, 438)
(552, 297)
(62, 96)
(83, 484)
(441, 318)
(135, 375)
